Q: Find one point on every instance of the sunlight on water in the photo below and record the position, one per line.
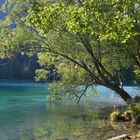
(26, 115)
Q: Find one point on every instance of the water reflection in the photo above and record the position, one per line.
(89, 130)
(26, 115)
(67, 122)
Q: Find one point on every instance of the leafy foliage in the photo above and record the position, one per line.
(88, 41)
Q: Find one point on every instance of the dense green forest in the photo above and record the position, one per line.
(20, 68)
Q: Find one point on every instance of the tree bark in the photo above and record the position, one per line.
(121, 92)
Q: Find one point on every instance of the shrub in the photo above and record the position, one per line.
(135, 109)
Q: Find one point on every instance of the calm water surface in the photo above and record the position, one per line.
(25, 114)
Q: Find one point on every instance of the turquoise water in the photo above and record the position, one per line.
(25, 114)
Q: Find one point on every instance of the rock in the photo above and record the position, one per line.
(128, 115)
(117, 117)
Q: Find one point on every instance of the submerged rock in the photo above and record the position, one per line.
(117, 117)
(128, 115)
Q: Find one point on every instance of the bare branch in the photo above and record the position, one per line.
(83, 92)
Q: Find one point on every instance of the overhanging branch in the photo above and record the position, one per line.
(83, 92)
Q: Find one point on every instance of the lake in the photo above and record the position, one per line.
(26, 114)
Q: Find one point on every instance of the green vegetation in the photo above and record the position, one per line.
(89, 42)
(132, 114)
(135, 109)
(117, 116)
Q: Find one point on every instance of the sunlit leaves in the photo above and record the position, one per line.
(108, 25)
(41, 74)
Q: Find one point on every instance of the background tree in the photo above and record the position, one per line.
(17, 41)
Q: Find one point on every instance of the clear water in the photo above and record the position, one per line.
(25, 114)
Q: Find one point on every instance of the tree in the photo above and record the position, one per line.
(87, 41)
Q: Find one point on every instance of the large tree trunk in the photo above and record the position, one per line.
(121, 92)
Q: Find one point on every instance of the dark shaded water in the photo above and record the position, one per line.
(25, 114)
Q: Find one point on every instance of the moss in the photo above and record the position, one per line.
(114, 116)
(117, 116)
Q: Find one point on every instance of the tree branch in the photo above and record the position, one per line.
(99, 67)
(83, 92)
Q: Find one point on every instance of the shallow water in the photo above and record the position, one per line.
(25, 114)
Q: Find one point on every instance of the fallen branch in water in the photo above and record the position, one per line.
(121, 137)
